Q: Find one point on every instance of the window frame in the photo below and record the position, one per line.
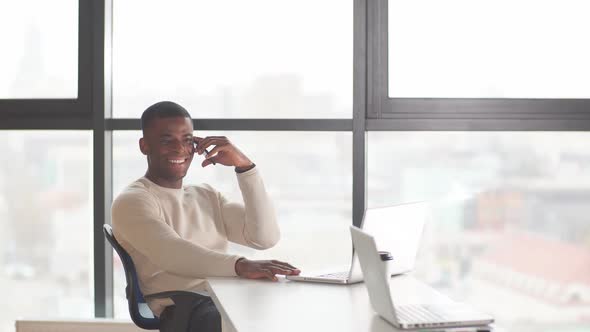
(59, 113)
(385, 113)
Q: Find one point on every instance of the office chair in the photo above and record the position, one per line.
(139, 311)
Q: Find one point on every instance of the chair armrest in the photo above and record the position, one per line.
(170, 294)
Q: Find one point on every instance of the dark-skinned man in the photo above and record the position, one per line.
(178, 235)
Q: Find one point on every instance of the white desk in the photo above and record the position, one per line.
(285, 306)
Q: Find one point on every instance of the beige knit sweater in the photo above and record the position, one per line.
(178, 237)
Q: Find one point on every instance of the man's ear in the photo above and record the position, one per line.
(143, 146)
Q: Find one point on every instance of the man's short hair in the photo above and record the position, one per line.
(163, 109)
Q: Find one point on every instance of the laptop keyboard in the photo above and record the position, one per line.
(336, 275)
(420, 313)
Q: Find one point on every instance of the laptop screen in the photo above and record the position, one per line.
(397, 229)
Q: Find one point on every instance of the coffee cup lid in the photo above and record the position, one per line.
(385, 255)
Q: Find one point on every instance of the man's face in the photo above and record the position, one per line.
(168, 144)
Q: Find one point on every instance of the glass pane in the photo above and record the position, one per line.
(489, 49)
(308, 174)
(40, 49)
(234, 59)
(509, 231)
(46, 268)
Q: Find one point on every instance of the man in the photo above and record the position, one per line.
(176, 235)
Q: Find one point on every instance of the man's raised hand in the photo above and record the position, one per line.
(223, 152)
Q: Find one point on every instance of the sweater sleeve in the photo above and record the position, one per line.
(137, 220)
(254, 223)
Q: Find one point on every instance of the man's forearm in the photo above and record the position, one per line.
(261, 229)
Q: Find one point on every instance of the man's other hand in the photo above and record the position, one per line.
(264, 269)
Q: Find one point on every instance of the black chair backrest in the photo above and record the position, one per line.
(138, 309)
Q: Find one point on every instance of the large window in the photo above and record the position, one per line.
(46, 221)
(234, 59)
(39, 57)
(507, 233)
(307, 174)
(488, 49)
(509, 230)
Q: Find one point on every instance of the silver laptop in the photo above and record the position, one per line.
(398, 229)
(416, 305)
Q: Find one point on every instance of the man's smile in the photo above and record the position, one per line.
(177, 161)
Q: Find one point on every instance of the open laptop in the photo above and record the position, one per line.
(416, 305)
(398, 229)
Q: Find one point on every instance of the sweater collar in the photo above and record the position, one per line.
(177, 192)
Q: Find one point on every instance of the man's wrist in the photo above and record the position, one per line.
(244, 168)
(237, 263)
